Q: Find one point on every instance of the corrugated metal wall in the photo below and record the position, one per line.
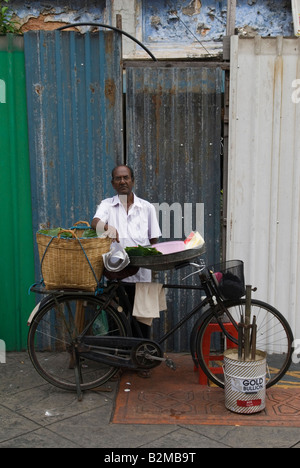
(74, 93)
(173, 143)
(264, 168)
(16, 246)
(74, 100)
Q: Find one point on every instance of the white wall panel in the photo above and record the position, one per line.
(264, 169)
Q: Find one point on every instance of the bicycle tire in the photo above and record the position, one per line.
(274, 336)
(53, 333)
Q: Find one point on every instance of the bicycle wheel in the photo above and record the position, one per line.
(53, 336)
(274, 336)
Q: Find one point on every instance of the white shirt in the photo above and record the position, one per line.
(136, 227)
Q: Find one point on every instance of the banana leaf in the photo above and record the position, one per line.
(141, 251)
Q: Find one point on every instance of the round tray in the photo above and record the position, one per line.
(166, 262)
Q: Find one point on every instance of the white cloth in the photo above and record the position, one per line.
(150, 299)
(116, 259)
(135, 228)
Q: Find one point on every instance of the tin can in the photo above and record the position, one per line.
(245, 382)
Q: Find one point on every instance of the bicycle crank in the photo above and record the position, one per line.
(149, 354)
(122, 351)
(169, 362)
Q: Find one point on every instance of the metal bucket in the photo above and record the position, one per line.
(245, 382)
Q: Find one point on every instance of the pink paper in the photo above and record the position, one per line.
(170, 247)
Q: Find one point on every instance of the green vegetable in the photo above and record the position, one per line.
(141, 251)
(53, 232)
(89, 233)
(82, 234)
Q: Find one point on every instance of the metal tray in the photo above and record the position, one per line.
(166, 262)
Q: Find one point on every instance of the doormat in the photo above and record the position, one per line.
(175, 397)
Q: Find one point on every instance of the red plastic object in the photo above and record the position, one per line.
(213, 328)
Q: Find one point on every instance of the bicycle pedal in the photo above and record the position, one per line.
(170, 364)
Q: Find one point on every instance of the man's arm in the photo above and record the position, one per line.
(95, 222)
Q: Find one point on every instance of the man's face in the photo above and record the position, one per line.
(122, 181)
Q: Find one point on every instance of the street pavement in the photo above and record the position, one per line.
(34, 414)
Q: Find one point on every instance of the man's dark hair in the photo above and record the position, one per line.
(123, 165)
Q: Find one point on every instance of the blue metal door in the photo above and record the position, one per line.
(74, 95)
(174, 145)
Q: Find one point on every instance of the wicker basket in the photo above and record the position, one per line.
(71, 263)
(80, 227)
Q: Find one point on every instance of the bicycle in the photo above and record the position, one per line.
(78, 340)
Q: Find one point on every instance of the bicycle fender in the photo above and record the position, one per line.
(33, 313)
(37, 308)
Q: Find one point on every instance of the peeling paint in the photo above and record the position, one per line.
(193, 8)
(172, 28)
(185, 21)
(50, 15)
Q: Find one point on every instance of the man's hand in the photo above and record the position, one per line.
(104, 230)
(110, 231)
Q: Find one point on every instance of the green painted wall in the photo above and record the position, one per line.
(16, 242)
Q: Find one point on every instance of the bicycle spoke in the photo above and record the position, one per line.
(55, 332)
(273, 337)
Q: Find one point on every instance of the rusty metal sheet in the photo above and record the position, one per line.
(173, 144)
(74, 95)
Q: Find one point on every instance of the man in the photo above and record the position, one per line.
(128, 219)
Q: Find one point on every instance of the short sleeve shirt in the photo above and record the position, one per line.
(136, 227)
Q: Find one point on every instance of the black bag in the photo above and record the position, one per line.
(231, 287)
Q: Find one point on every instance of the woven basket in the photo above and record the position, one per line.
(80, 227)
(71, 263)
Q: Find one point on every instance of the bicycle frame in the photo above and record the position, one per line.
(211, 298)
(210, 295)
(87, 343)
(117, 347)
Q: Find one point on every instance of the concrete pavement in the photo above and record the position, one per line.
(34, 414)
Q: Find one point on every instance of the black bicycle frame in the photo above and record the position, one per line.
(109, 296)
(205, 286)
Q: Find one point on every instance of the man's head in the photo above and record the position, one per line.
(122, 180)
